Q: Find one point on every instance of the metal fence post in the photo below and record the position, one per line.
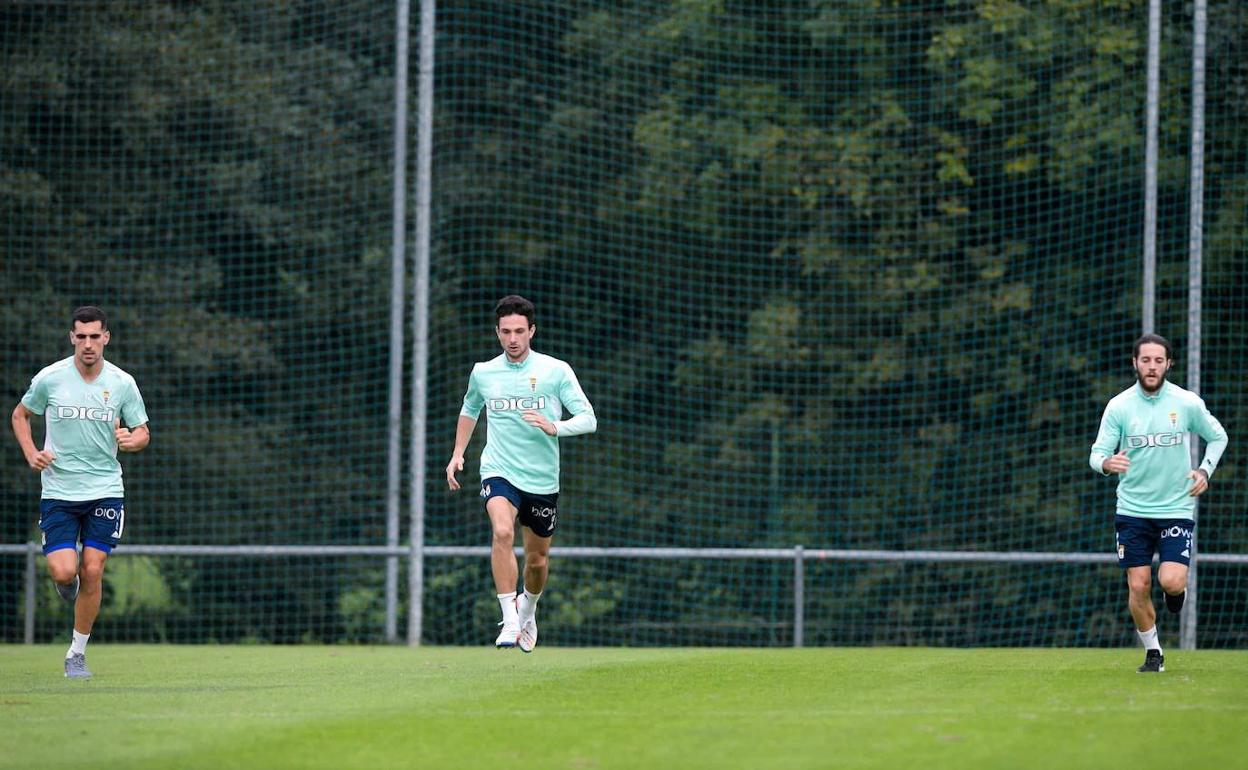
(1195, 263)
(799, 595)
(31, 572)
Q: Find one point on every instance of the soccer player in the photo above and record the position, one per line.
(524, 394)
(1143, 439)
(84, 401)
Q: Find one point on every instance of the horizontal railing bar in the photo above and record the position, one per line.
(819, 554)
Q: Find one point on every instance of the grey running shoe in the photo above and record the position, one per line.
(1154, 662)
(76, 666)
(70, 592)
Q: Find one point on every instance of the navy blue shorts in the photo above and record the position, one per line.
(1138, 538)
(98, 523)
(539, 513)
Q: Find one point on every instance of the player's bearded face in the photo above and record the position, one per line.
(515, 334)
(88, 340)
(1151, 366)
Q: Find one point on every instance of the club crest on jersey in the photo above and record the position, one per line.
(1174, 419)
(532, 384)
(105, 394)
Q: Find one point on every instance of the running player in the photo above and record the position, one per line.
(85, 402)
(524, 394)
(1144, 439)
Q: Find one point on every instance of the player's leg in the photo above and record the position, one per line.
(1137, 540)
(536, 569)
(103, 523)
(540, 515)
(63, 569)
(536, 560)
(1173, 579)
(1140, 601)
(1140, 597)
(502, 549)
(501, 502)
(61, 529)
(1175, 550)
(86, 609)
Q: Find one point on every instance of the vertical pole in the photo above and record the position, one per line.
(420, 319)
(1149, 288)
(398, 287)
(31, 572)
(1195, 253)
(799, 596)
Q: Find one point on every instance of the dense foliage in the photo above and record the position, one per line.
(844, 275)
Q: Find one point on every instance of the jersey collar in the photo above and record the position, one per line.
(1139, 390)
(518, 365)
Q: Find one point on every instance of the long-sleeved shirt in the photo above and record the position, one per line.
(1154, 430)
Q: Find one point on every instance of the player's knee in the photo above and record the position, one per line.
(535, 561)
(1139, 585)
(92, 573)
(62, 573)
(504, 533)
(1173, 584)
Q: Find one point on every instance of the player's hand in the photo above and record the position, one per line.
(1200, 482)
(1117, 464)
(538, 420)
(40, 460)
(125, 439)
(454, 466)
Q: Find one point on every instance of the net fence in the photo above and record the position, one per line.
(844, 276)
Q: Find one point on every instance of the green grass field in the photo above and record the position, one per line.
(387, 707)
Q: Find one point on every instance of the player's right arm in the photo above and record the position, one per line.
(463, 434)
(37, 459)
(1103, 459)
(473, 403)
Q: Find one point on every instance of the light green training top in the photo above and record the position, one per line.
(514, 450)
(1155, 432)
(78, 418)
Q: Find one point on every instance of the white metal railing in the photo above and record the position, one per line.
(798, 554)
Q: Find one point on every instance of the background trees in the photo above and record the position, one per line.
(849, 277)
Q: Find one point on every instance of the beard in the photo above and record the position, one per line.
(1140, 378)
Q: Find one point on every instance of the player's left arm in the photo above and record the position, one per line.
(132, 439)
(583, 419)
(134, 413)
(573, 399)
(1204, 424)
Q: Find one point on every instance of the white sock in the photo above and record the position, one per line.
(528, 605)
(79, 645)
(508, 603)
(1149, 639)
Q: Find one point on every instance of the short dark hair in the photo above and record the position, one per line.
(1153, 339)
(88, 314)
(514, 304)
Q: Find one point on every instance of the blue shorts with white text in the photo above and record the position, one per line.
(96, 523)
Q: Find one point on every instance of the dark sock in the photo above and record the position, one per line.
(1175, 603)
